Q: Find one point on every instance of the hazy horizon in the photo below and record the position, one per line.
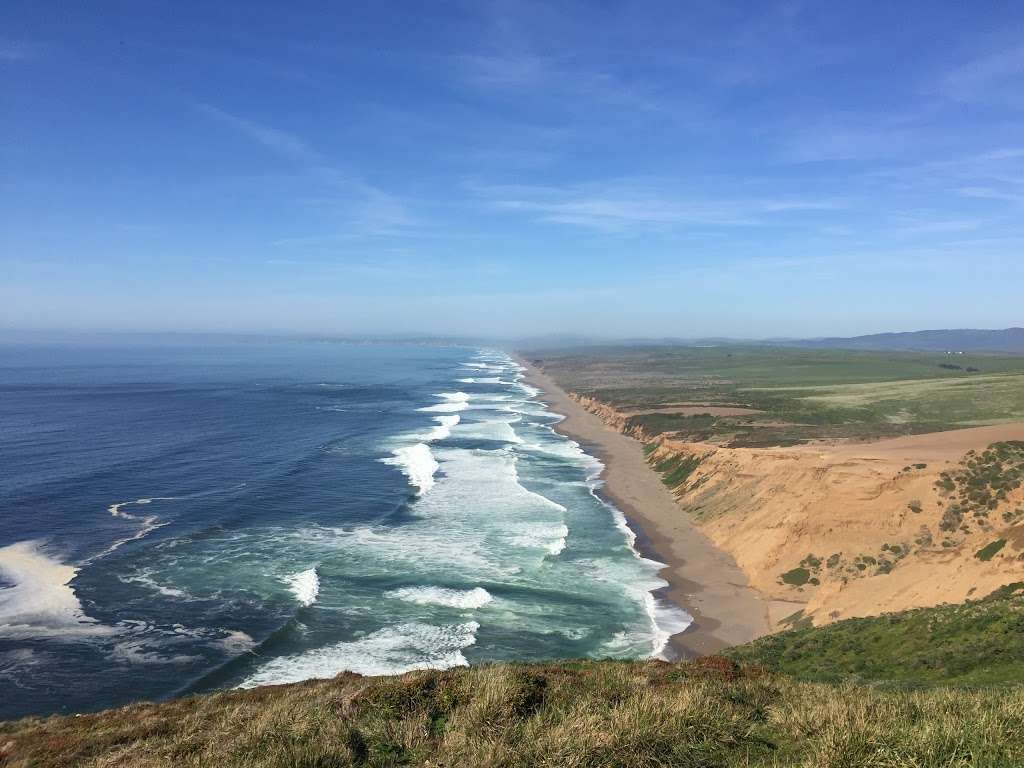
(511, 169)
(551, 339)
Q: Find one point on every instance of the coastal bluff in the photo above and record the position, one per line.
(842, 529)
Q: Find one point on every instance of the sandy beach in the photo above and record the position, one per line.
(703, 580)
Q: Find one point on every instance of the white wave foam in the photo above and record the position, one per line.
(530, 391)
(136, 652)
(492, 429)
(417, 463)
(236, 641)
(451, 407)
(622, 525)
(451, 598)
(148, 523)
(145, 578)
(232, 641)
(41, 603)
(550, 537)
(443, 428)
(667, 620)
(388, 651)
(305, 585)
(412, 547)
(454, 402)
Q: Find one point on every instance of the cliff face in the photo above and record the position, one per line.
(612, 417)
(859, 529)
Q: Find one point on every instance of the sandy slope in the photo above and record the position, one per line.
(772, 508)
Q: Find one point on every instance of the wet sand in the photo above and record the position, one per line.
(703, 580)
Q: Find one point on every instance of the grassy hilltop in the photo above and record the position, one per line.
(753, 396)
(711, 712)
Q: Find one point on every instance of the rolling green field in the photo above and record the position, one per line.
(794, 395)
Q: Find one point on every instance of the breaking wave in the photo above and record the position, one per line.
(387, 651)
(443, 428)
(417, 463)
(305, 585)
(451, 598)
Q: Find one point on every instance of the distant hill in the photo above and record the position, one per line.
(1008, 340)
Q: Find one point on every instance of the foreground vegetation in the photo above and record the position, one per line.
(979, 643)
(784, 396)
(707, 713)
(928, 687)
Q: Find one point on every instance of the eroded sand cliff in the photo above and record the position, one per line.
(857, 529)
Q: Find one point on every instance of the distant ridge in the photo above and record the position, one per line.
(1008, 340)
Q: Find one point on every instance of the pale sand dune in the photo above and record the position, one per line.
(704, 580)
(935, 446)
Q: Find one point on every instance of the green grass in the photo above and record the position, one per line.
(676, 469)
(980, 485)
(989, 551)
(566, 715)
(919, 689)
(804, 394)
(797, 577)
(980, 643)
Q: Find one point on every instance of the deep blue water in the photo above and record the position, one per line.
(181, 517)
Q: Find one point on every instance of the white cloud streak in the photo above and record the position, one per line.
(995, 78)
(367, 209)
(614, 206)
(281, 143)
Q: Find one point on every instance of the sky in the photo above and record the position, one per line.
(677, 168)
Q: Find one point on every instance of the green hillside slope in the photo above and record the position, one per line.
(978, 643)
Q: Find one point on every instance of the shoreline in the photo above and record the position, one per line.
(702, 580)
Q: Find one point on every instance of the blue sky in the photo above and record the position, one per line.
(656, 169)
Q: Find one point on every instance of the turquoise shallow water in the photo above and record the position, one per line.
(185, 518)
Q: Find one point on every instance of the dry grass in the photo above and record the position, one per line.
(709, 713)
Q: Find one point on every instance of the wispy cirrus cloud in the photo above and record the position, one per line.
(617, 206)
(997, 78)
(554, 78)
(365, 209)
(19, 50)
(278, 141)
(939, 227)
(988, 193)
(994, 174)
(857, 138)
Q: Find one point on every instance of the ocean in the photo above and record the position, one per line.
(183, 517)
